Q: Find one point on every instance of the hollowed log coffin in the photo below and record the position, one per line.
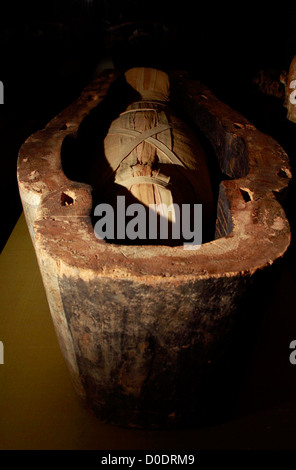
(141, 326)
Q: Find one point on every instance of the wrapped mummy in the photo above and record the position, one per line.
(153, 157)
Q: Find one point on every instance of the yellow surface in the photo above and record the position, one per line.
(39, 408)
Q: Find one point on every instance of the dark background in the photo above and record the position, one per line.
(50, 50)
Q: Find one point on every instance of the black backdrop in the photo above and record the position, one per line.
(50, 49)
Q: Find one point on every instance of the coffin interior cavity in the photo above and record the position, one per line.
(82, 152)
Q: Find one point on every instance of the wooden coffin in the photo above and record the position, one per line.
(141, 327)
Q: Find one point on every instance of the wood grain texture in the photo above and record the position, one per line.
(143, 328)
